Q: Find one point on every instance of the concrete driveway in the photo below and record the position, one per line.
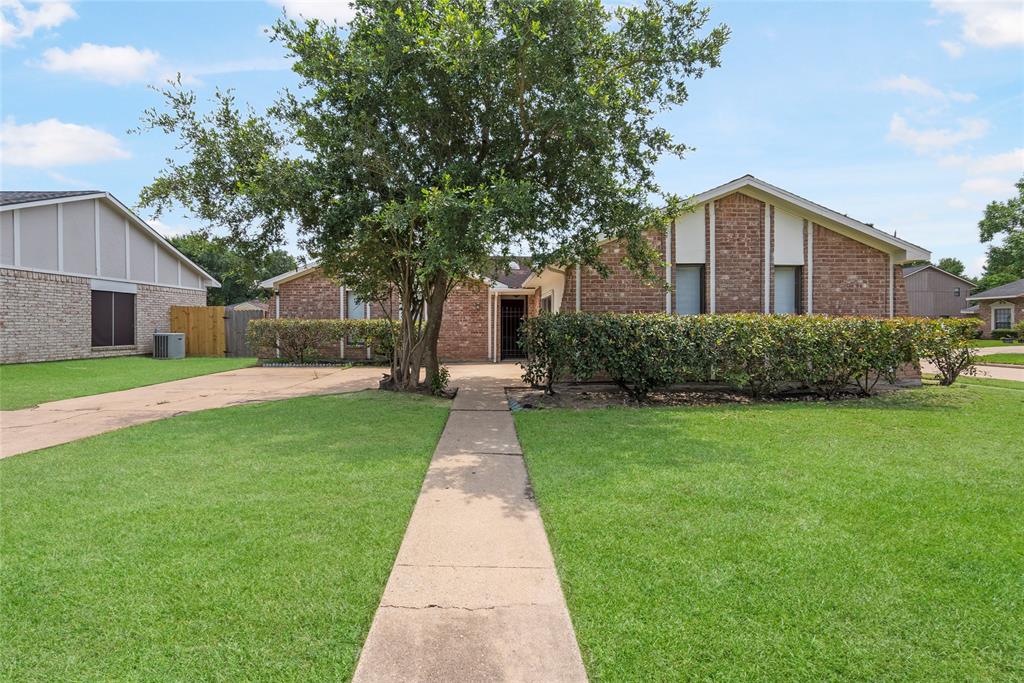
(59, 422)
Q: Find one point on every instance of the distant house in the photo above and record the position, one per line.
(251, 305)
(935, 293)
(1000, 308)
(81, 276)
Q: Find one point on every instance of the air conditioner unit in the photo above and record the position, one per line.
(168, 345)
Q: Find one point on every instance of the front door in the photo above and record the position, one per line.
(512, 313)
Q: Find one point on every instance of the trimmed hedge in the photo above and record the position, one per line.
(758, 353)
(299, 341)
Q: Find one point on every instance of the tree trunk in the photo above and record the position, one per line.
(432, 329)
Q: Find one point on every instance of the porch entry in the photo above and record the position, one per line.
(512, 311)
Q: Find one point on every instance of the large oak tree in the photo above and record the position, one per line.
(427, 139)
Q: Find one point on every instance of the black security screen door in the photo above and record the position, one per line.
(512, 312)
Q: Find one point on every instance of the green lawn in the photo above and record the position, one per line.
(248, 543)
(984, 343)
(24, 385)
(868, 540)
(1012, 358)
(989, 382)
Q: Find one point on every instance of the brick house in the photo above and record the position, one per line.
(1000, 308)
(747, 247)
(81, 276)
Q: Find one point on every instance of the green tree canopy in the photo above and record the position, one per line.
(952, 265)
(1003, 221)
(429, 137)
(239, 273)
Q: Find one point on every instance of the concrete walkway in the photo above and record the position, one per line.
(474, 595)
(59, 422)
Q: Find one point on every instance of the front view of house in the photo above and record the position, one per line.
(747, 247)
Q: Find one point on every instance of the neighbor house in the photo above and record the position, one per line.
(935, 293)
(1000, 308)
(81, 276)
(746, 247)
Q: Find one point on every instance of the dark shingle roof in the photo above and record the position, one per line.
(514, 277)
(1008, 291)
(20, 197)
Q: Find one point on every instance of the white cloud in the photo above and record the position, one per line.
(324, 10)
(18, 21)
(992, 187)
(935, 139)
(915, 86)
(957, 203)
(167, 230)
(952, 48)
(53, 143)
(107, 63)
(988, 24)
(1007, 162)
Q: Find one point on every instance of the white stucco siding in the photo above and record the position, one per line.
(112, 242)
(690, 237)
(551, 283)
(7, 238)
(789, 239)
(38, 228)
(189, 278)
(80, 237)
(140, 247)
(167, 268)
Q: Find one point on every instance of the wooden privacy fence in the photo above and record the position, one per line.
(203, 327)
(237, 323)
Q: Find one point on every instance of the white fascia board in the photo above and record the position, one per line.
(1005, 297)
(57, 200)
(273, 282)
(905, 251)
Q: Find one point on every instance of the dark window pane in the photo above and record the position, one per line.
(124, 319)
(102, 318)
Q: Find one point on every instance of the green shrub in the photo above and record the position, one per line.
(299, 341)
(758, 353)
(946, 343)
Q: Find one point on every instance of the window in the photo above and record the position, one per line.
(113, 318)
(956, 292)
(545, 304)
(787, 289)
(689, 289)
(1002, 318)
(356, 308)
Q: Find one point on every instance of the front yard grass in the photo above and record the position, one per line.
(248, 543)
(23, 385)
(985, 343)
(865, 540)
(1011, 358)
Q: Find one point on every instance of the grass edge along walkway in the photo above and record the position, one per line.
(242, 543)
(862, 540)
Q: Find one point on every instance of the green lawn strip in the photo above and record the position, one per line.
(985, 343)
(992, 383)
(867, 540)
(1011, 358)
(248, 543)
(23, 385)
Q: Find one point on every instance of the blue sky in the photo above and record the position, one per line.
(906, 115)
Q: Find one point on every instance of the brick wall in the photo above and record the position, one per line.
(46, 316)
(851, 278)
(622, 291)
(739, 254)
(985, 313)
(463, 333)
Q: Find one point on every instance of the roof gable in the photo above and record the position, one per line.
(1011, 290)
(14, 200)
(914, 270)
(824, 216)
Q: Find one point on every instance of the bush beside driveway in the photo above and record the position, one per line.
(865, 540)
